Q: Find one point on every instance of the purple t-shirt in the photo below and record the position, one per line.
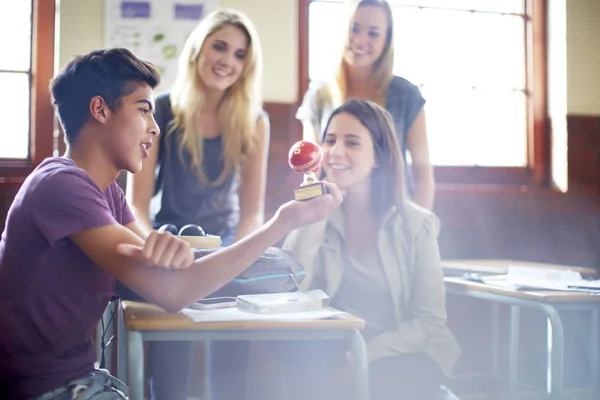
(51, 294)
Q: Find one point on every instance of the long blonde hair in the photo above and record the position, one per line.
(382, 73)
(241, 104)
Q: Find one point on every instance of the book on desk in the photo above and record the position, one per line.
(309, 305)
(270, 303)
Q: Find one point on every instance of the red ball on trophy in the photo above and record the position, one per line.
(306, 158)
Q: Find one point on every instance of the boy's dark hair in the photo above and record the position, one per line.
(110, 73)
(387, 179)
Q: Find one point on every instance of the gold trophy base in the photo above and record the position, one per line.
(310, 191)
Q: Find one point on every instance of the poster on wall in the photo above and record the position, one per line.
(154, 30)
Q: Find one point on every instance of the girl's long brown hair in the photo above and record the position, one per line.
(387, 179)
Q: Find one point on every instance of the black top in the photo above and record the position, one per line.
(183, 199)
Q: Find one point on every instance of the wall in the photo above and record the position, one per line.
(82, 30)
(583, 101)
(583, 57)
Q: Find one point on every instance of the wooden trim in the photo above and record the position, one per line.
(480, 189)
(12, 173)
(15, 181)
(303, 78)
(483, 175)
(537, 82)
(538, 172)
(42, 115)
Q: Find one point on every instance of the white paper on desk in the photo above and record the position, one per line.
(543, 274)
(523, 278)
(234, 314)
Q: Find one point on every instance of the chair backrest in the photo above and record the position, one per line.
(104, 334)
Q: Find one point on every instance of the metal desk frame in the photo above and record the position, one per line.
(555, 335)
(131, 351)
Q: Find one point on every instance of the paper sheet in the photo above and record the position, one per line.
(532, 278)
(234, 314)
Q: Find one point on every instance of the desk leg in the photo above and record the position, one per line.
(513, 352)
(594, 350)
(208, 357)
(554, 383)
(495, 338)
(135, 359)
(359, 352)
(121, 346)
(98, 337)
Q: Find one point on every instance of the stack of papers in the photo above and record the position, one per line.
(533, 278)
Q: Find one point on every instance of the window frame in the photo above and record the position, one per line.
(537, 171)
(41, 130)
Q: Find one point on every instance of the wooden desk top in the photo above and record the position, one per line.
(547, 296)
(148, 317)
(498, 266)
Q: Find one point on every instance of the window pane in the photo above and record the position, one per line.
(14, 114)
(500, 125)
(498, 54)
(485, 128)
(325, 35)
(471, 71)
(423, 57)
(15, 35)
(487, 49)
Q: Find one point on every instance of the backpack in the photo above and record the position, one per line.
(275, 271)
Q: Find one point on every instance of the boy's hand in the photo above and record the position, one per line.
(160, 250)
(299, 213)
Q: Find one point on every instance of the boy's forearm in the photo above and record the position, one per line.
(248, 224)
(142, 218)
(212, 271)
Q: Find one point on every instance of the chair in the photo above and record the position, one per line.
(105, 332)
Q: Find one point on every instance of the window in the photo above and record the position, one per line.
(15, 73)
(473, 62)
(27, 43)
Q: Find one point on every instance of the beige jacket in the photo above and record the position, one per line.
(409, 250)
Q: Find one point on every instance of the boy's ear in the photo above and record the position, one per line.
(99, 109)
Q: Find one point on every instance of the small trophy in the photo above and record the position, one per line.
(306, 158)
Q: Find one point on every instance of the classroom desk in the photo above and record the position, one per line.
(500, 266)
(145, 322)
(548, 303)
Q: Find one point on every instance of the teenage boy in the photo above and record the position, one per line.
(69, 234)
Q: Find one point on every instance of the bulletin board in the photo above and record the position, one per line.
(154, 30)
